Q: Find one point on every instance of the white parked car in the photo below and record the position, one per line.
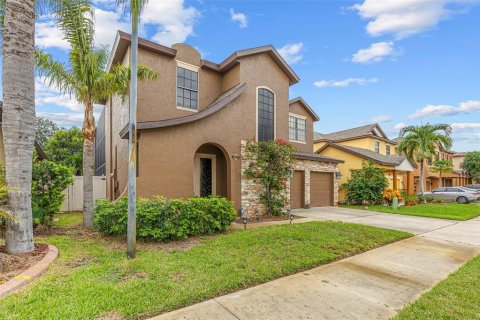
(454, 194)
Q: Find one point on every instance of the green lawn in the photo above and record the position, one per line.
(457, 297)
(92, 278)
(452, 211)
(68, 219)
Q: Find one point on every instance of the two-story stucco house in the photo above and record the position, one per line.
(193, 120)
(366, 143)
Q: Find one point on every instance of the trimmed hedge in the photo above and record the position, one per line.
(160, 219)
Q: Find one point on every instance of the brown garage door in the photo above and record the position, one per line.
(297, 190)
(321, 189)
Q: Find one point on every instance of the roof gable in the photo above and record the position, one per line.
(305, 106)
(122, 41)
(372, 130)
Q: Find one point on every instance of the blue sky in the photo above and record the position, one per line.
(394, 62)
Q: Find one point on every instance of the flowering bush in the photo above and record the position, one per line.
(389, 194)
(271, 163)
(366, 185)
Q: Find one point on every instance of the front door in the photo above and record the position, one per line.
(205, 175)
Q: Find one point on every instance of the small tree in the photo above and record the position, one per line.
(442, 166)
(366, 185)
(45, 130)
(49, 180)
(471, 164)
(66, 148)
(272, 164)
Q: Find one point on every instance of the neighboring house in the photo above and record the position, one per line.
(432, 180)
(366, 143)
(194, 120)
(38, 148)
(457, 159)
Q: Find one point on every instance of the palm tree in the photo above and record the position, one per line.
(442, 166)
(85, 77)
(18, 118)
(136, 7)
(419, 144)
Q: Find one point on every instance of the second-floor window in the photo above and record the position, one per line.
(387, 150)
(296, 127)
(187, 88)
(377, 146)
(266, 115)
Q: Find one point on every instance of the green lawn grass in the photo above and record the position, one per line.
(455, 298)
(92, 277)
(452, 211)
(68, 219)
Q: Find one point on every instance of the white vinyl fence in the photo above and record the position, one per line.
(73, 200)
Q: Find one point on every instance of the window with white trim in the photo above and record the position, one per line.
(296, 128)
(187, 88)
(266, 115)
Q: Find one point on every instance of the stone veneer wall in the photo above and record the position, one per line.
(252, 188)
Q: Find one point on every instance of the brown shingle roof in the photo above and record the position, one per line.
(315, 157)
(354, 133)
(391, 160)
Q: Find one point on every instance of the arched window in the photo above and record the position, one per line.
(266, 115)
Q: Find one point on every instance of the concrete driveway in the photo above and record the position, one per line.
(373, 285)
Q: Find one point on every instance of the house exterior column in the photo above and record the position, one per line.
(409, 183)
(395, 183)
(307, 188)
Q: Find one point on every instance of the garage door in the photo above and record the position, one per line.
(297, 190)
(321, 189)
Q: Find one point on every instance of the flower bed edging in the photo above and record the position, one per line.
(30, 274)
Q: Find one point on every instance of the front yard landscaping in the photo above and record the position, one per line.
(457, 297)
(452, 211)
(93, 279)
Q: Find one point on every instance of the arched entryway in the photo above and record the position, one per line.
(211, 171)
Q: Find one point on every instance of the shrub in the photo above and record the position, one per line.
(389, 194)
(437, 200)
(429, 199)
(410, 198)
(48, 181)
(271, 162)
(160, 219)
(366, 185)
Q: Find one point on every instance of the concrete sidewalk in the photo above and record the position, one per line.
(372, 285)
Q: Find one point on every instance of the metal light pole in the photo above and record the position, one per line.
(132, 146)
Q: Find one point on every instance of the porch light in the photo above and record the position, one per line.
(235, 156)
(338, 175)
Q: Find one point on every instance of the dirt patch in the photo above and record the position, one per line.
(112, 315)
(12, 265)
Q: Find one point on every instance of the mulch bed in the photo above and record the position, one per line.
(12, 265)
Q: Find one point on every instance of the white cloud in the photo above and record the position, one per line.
(47, 35)
(381, 118)
(465, 126)
(239, 17)
(344, 83)
(106, 25)
(375, 53)
(399, 126)
(292, 53)
(173, 21)
(466, 107)
(45, 95)
(407, 17)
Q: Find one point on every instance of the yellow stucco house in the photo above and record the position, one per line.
(357, 145)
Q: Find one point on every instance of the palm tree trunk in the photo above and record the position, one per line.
(88, 164)
(422, 186)
(18, 121)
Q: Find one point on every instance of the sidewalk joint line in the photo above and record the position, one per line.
(226, 309)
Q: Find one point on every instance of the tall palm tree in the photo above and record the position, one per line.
(136, 7)
(419, 144)
(85, 77)
(18, 118)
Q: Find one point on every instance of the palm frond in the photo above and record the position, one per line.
(56, 73)
(136, 7)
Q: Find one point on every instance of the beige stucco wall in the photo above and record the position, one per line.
(297, 108)
(166, 155)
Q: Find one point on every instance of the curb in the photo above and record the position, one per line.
(30, 274)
